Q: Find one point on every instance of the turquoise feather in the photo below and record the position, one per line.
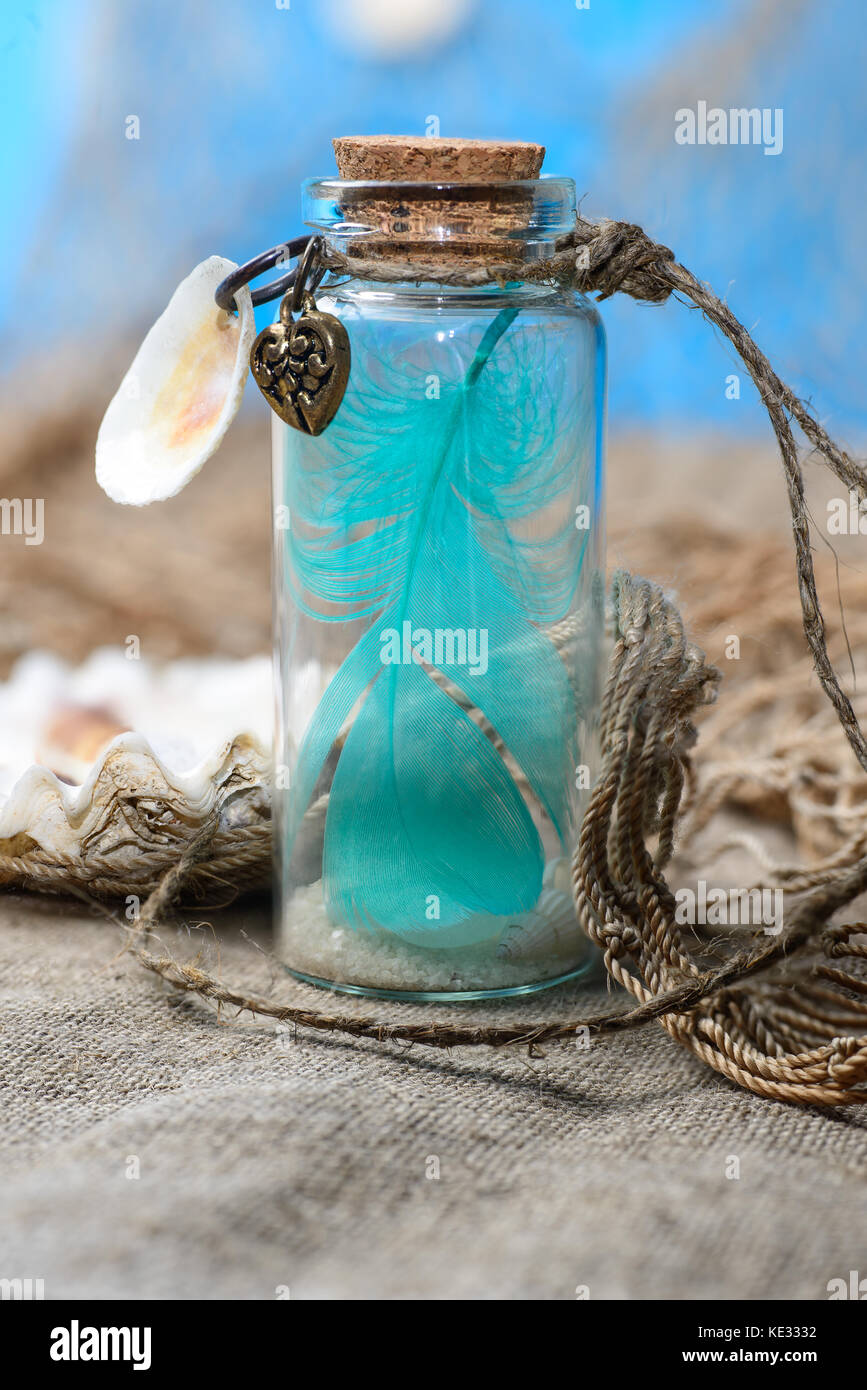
(425, 512)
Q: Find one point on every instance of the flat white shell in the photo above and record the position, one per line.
(181, 393)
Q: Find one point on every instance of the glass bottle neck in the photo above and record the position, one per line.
(453, 224)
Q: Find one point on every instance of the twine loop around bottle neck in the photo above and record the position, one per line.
(597, 257)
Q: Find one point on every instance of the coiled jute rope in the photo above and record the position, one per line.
(785, 1016)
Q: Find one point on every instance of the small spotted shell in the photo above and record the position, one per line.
(551, 927)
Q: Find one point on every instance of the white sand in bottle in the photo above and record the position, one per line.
(524, 950)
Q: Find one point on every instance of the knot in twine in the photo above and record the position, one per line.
(620, 257)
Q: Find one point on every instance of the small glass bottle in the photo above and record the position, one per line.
(438, 602)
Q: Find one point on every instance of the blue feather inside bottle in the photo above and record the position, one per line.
(439, 604)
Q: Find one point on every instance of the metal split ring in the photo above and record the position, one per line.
(306, 248)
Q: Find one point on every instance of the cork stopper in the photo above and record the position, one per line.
(407, 214)
(436, 159)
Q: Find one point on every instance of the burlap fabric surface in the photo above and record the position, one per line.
(267, 1160)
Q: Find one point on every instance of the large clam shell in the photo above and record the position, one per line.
(181, 393)
(130, 797)
(118, 807)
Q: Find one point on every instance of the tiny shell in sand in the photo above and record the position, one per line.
(551, 926)
(181, 393)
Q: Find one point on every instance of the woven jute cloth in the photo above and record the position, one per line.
(272, 1158)
(157, 1146)
(267, 1159)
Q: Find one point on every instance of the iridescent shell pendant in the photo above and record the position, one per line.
(301, 365)
(181, 393)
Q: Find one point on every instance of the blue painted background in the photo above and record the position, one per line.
(237, 101)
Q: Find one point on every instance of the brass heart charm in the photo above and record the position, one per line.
(301, 366)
